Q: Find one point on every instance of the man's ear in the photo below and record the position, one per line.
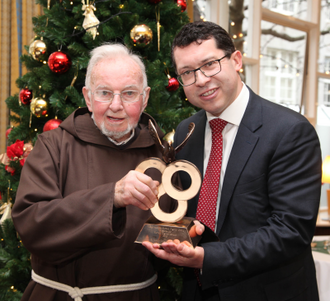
(145, 101)
(87, 99)
(237, 59)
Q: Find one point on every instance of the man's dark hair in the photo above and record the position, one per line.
(199, 31)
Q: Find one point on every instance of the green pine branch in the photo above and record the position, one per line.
(15, 269)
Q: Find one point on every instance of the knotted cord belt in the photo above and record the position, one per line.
(77, 293)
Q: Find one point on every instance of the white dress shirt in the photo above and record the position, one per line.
(233, 115)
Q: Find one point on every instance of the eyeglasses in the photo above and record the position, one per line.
(106, 96)
(209, 69)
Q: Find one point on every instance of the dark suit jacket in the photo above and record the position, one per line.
(268, 209)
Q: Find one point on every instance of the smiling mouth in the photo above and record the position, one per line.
(209, 92)
(115, 119)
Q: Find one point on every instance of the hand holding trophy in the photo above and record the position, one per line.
(164, 226)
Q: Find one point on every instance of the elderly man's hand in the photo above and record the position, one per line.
(136, 189)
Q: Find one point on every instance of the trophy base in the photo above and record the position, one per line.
(155, 231)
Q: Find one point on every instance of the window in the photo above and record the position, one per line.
(326, 94)
(323, 109)
(295, 8)
(326, 65)
(201, 10)
(281, 64)
(280, 81)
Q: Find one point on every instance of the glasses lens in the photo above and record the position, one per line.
(211, 68)
(187, 78)
(107, 96)
(103, 95)
(130, 96)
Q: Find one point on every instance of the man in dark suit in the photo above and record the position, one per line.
(269, 186)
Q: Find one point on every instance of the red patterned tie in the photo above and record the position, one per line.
(207, 203)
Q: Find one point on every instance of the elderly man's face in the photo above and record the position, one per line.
(116, 119)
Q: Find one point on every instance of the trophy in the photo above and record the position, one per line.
(162, 226)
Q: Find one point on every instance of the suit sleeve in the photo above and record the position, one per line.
(278, 209)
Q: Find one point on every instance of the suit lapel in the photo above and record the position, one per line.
(244, 144)
(194, 152)
(197, 150)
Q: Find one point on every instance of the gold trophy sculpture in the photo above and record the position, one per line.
(163, 226)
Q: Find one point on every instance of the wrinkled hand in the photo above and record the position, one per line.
(180, 253)
(136, 189)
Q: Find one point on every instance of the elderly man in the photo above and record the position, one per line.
(80, 204)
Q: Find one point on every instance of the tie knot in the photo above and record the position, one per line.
(217, 125)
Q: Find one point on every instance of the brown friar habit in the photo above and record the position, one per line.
(65, 216)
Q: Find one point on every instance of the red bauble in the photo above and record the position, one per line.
(173, 84)
(59, 62)
(8, 132)
(51, 124)
(25, 96)
(154, 1)
(183, 4)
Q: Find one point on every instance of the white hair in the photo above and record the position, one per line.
(112, 50)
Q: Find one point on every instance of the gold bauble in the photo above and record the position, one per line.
(37, 49)
(141, 35)
(169, 137)
(39, 107)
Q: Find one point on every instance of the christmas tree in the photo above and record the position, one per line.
(51, 89)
